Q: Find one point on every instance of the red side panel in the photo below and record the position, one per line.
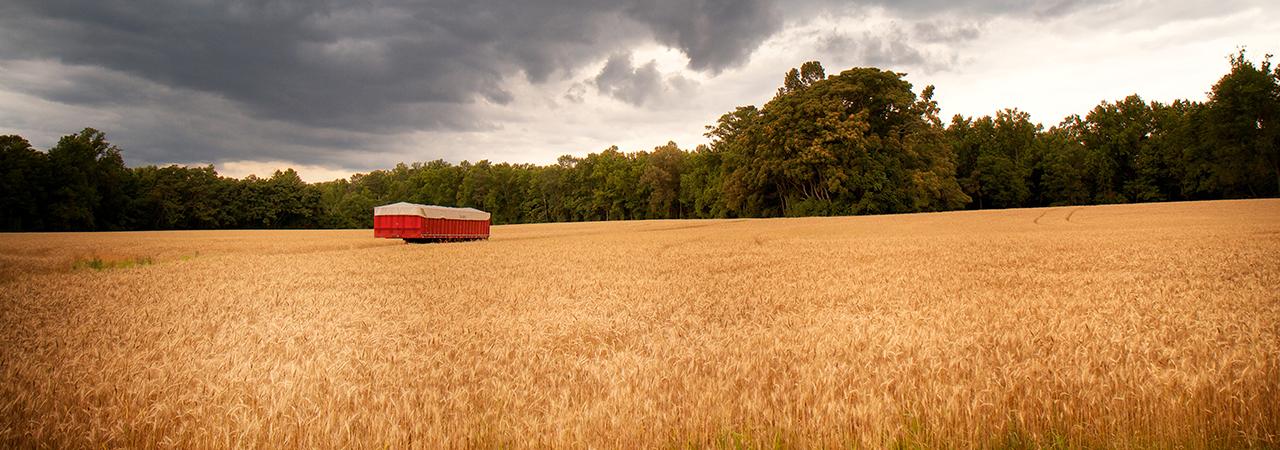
(414, 227)
(398, 226)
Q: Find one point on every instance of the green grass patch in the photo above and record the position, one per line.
(97, 263)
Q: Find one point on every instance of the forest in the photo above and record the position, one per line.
(858, 142)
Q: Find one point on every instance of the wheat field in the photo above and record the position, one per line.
(1136, 326)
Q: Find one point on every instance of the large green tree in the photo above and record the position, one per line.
(661, 179)
(23, 183)
(89, 193)
(854, 143)
(1244, 108)
(996, 157)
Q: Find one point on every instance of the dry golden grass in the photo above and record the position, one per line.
(1137, 326)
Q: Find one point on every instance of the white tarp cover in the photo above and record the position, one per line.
(430, 211)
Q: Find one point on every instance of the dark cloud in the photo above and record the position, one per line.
(738, 27)
(622, 80)
(157, 124)
(340, 64)
(333, 64)
(320, 80)
(79, 85)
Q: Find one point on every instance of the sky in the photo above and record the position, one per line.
(331, 87)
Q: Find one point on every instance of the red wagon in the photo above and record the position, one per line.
(426, 223)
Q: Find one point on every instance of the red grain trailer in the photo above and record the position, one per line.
(426, 223)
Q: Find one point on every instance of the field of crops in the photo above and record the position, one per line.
(1150, 325)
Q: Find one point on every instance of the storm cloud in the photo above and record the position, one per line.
(622, 80)
(358, 65)
(340, 83)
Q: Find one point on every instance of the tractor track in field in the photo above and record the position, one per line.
(1048, 210)
(686, 227)
(1041, 216)
(667, 248)
(1071, 213)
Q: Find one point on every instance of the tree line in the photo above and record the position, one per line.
(859, 142)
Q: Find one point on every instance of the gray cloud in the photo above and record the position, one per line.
(738, 27)
(946, 32)
(889, 50)
(929, 44)
(622, 80)
(159, 124)
(1040, 9)
(340, 65)
(336, 64)
(327, 81)
(576, 93)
